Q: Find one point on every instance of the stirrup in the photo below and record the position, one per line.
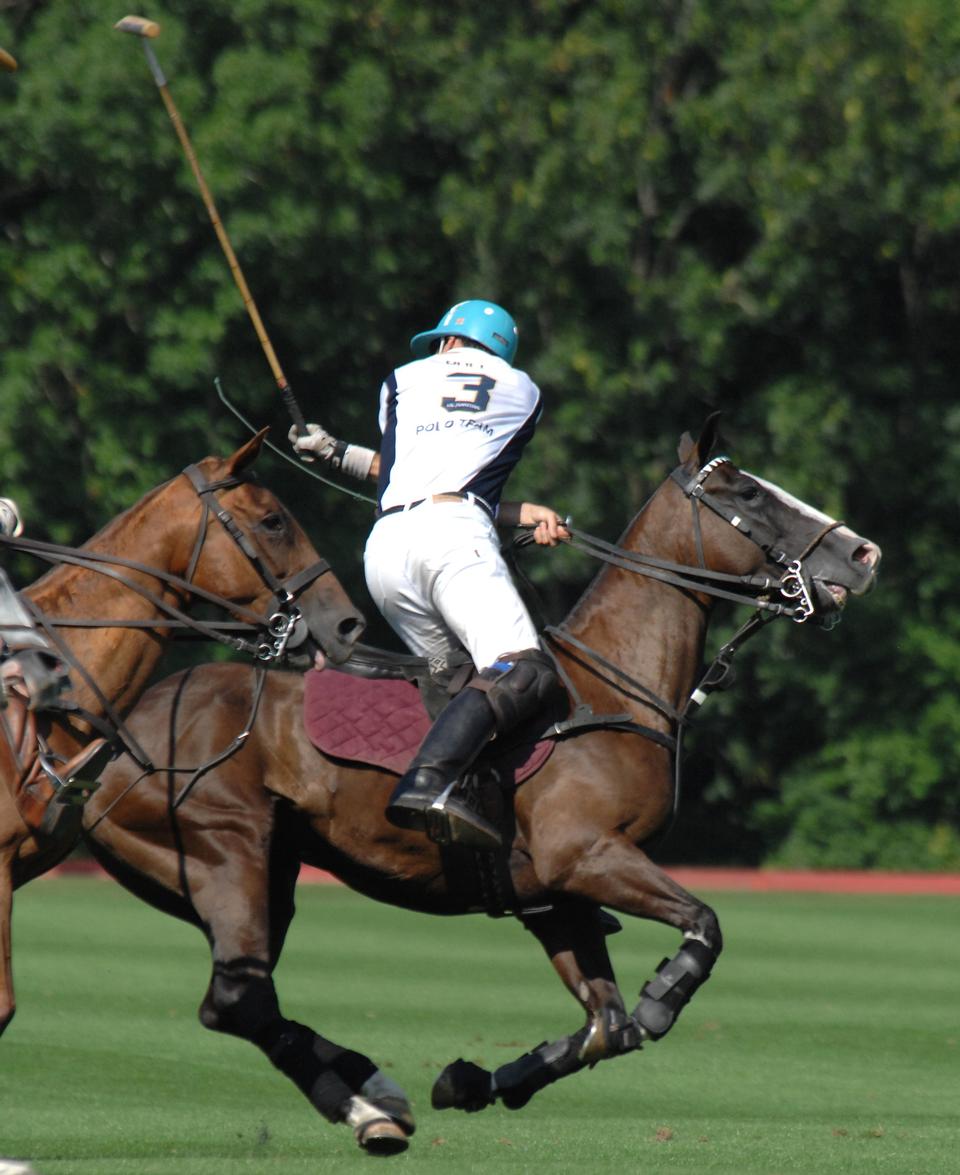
(76, 781)
(451, 821)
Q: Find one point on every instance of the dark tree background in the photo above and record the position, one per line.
(744, 205)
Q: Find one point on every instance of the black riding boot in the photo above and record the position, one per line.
(422, 798)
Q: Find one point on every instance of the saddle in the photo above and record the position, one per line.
(381, 723)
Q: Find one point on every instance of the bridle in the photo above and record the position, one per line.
(793, 588)
(281, 627)
(284, 626)
(795, 601)
(266, 637)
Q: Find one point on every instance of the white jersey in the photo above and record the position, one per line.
(455, 422)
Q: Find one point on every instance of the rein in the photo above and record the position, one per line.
(285, 625)
(195, 773)
(282, 627)
(793, 587)
(275, 629)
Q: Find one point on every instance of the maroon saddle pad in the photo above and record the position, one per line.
(382, 722)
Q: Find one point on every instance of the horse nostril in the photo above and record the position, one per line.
(868, 553)
(351, 627)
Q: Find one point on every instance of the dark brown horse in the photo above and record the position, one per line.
(631, 649)
(211, 533)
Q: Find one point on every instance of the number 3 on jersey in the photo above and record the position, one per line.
(479, 385)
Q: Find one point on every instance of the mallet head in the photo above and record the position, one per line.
(7, 61)
(139, 26)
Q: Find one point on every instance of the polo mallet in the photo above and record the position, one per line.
(146, 30)
(7, 61)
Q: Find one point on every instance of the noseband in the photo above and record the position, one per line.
(284, 627)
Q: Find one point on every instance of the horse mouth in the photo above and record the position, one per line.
(314, 656)
(831, 596)
(306, 655)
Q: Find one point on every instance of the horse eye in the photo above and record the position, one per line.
(750, 493)
(273, 523)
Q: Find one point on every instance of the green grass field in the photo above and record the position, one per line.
(827, 1040)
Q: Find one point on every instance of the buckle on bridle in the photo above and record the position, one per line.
(794, 587)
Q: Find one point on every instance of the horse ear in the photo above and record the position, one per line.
(246, 454)
(700, 450)
(708, 438)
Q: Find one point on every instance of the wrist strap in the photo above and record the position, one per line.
(338, 454)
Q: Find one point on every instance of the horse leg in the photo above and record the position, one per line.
(7, 1001)
(573, 938)
(12, 834)
(343, 1085)
(612, 871)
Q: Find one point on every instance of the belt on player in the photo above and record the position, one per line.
(451, 497)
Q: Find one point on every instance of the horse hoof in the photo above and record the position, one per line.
(381, 1137)
(462, 1086)
(375, 1132)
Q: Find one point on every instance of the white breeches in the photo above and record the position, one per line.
(437, 575)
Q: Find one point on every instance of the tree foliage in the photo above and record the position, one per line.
(742, 205)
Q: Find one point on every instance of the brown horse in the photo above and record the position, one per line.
(631, 650)
(211, 533)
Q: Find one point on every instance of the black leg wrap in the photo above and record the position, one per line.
(516, 1082)
(242, 1001)
(326, 1074)
(663, 998)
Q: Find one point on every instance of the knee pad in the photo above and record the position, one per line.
(518, 685)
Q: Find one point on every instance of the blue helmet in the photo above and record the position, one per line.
(481, 322)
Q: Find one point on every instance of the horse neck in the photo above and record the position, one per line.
(119, 660)
(649, 630)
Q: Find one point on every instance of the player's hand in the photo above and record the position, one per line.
(548, 527)
(317, 443)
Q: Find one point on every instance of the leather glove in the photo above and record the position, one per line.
(10, 521)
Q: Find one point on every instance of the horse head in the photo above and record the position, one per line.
(744, 524)
(249, 540)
